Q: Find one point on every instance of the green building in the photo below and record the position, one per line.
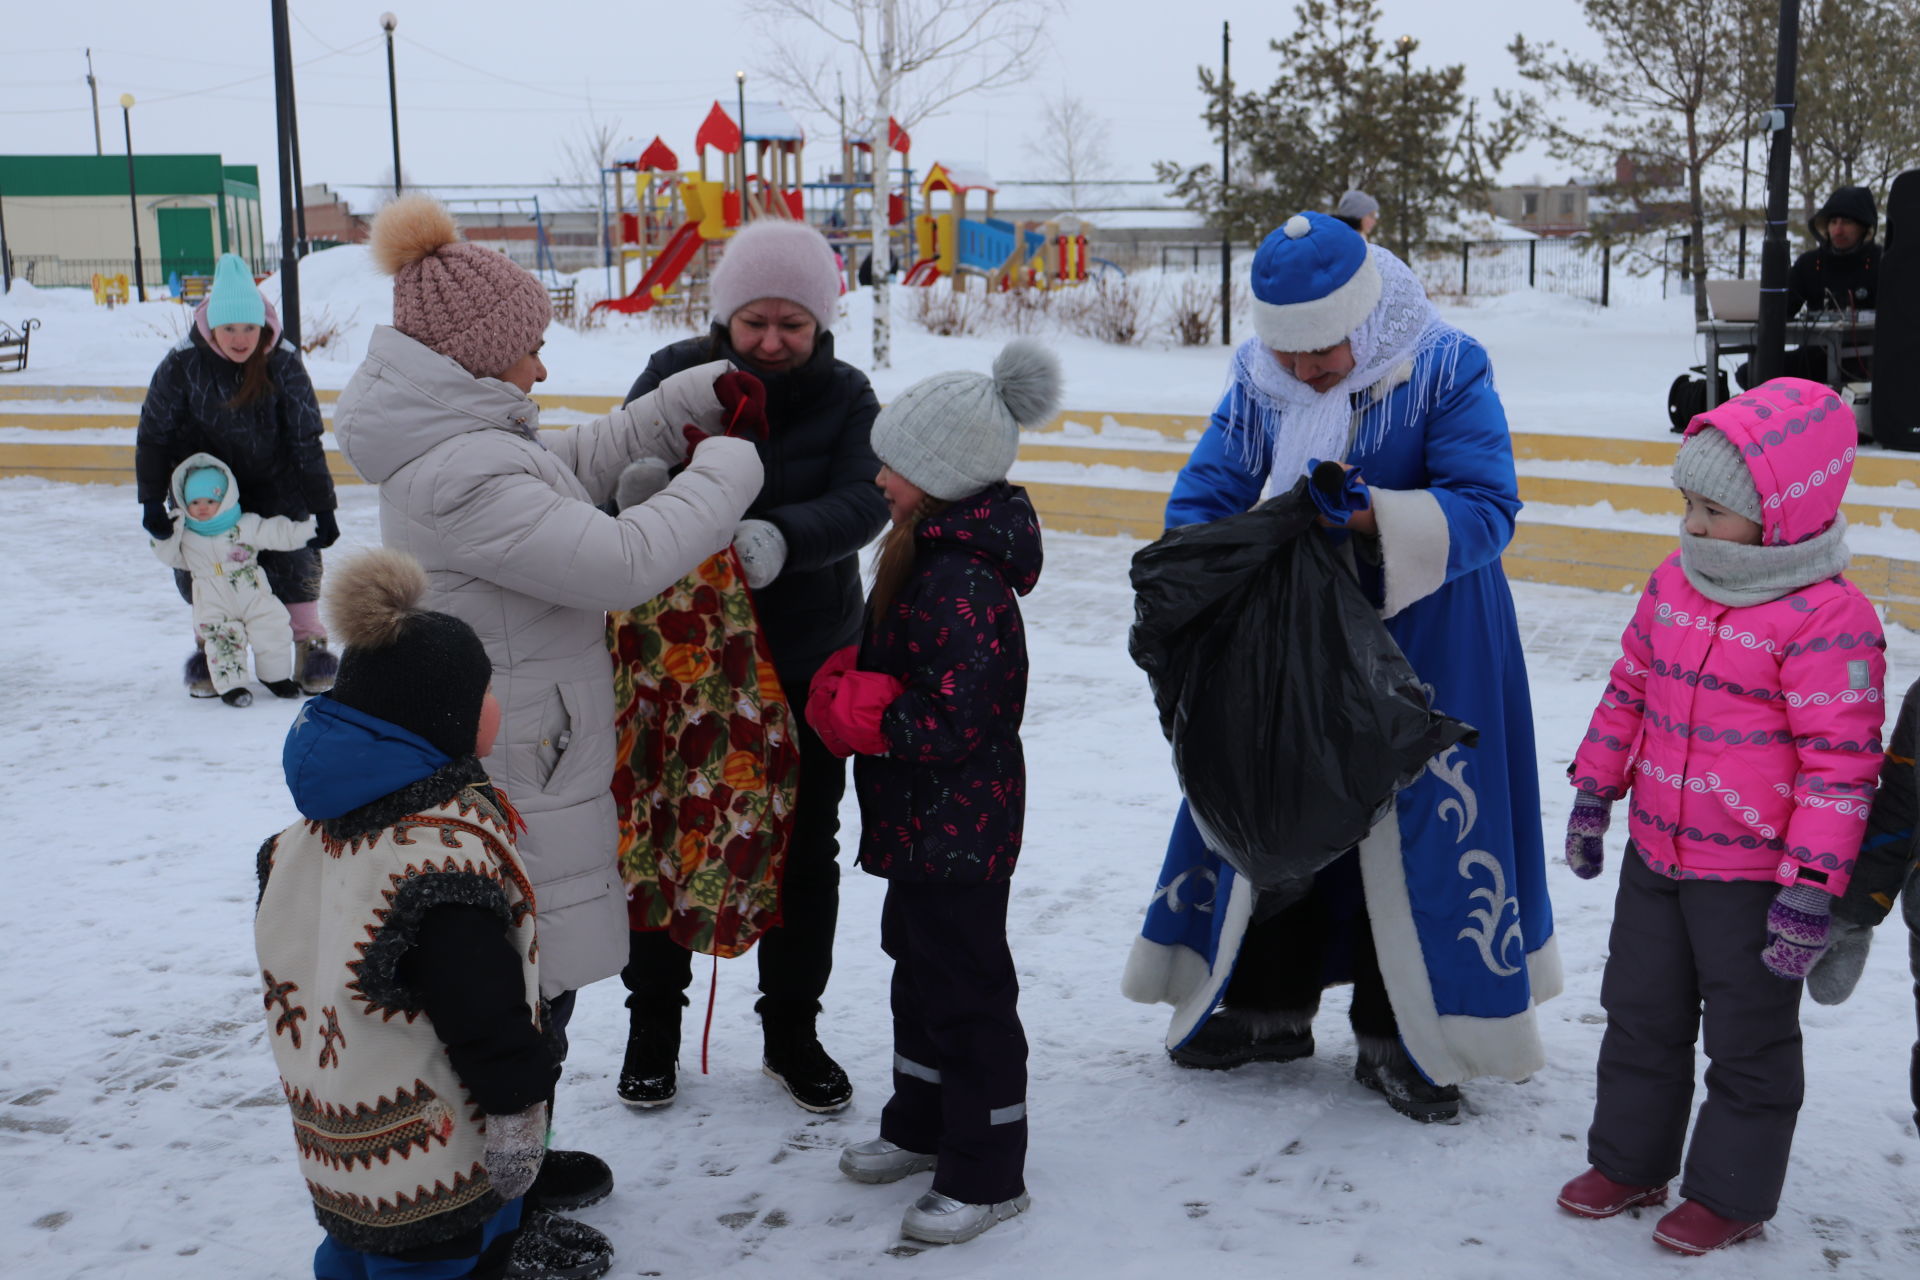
(68, 217)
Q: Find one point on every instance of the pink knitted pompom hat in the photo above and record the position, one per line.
(468, 302)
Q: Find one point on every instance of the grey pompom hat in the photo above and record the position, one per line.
(954, 434)
(1710, 464)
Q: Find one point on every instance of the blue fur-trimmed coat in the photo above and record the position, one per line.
(1455, 879)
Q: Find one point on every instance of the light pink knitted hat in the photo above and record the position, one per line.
(468, 302)
(774, 258)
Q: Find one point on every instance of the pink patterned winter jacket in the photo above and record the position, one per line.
(1750, 737)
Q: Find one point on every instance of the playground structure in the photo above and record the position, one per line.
(679, 216)
(952, 246)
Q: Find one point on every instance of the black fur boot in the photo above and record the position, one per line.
(1385, 1068)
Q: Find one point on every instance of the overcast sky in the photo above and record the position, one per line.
(488, 90)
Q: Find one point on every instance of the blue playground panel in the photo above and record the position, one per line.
(985, 245)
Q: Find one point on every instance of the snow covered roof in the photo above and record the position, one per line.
(772, 122)
(964, 175)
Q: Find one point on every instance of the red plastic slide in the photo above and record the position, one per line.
(666, 268)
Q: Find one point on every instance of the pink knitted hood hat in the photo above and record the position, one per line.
(468, 302)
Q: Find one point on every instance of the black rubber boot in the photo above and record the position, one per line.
(795, 1059)
(1385, 1068)
(649, 1072)
(237, 698)
(1232, 1038)
(570, 1180)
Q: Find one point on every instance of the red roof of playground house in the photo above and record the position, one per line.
(658, 157)
(718, 131)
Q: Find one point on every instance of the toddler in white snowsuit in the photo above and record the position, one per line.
(219, 545)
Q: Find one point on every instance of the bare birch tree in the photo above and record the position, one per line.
(586, 154)
(903, 60)
(1071, 146)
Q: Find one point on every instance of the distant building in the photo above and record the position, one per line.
(68, 217)
(1546, 211)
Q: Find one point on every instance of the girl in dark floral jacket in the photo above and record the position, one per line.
(931, 702)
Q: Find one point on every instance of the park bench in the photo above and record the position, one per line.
(13, 345)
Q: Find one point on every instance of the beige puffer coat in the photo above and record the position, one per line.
(504, 519)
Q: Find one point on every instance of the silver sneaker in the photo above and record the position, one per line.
(939, 1219)
(878, 1160)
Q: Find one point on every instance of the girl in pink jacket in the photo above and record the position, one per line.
(1744, 718)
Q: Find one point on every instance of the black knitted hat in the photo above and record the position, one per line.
(426, 672)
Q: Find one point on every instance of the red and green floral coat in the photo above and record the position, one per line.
(948, 800)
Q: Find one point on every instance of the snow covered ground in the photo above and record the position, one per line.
(141, 1128)
(142, 1132)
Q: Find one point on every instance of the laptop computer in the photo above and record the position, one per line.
(1734, 300)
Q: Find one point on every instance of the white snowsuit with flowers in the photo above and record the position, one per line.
(233, 606)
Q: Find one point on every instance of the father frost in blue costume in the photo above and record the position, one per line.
(1440, 918)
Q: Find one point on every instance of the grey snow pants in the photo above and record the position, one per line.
(1680, 948)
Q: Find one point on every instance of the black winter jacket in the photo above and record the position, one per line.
(948, 800)
(272, 445)
(819, 493)
(1823, 278)
(1889, 854)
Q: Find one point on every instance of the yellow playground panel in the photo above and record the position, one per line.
(111, 291)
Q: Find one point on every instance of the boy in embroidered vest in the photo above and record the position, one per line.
(1743, 718)
(395, 931)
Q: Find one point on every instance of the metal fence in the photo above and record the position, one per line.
(47, 272)
(1580, 268)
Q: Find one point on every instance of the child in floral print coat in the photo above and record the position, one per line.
(932, 709)
(1744, 719)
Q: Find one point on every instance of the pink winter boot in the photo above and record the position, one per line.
(1594, 1195)
(1694, 1229)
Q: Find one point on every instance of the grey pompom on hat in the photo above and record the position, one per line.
(1710, 464)
(954, 434)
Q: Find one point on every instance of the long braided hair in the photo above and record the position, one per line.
(895, 560)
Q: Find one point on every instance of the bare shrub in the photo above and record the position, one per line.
(1193, 312)
(943, 311)
(1115, 311)
(320, 329)
(1020, 310)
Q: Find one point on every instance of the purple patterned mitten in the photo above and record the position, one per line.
(1586, 834)
(1796, 930)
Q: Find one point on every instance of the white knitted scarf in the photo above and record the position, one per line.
(1734, 573)
(1267, 406)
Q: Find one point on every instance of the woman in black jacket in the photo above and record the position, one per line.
(231, 388)
(774, 295)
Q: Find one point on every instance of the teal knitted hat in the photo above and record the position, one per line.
(234, 298)
(204, 482)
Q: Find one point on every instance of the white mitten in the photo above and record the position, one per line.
(516, 1144)
(643, 478)
(762, 549)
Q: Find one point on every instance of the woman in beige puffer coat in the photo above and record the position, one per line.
(504, 518)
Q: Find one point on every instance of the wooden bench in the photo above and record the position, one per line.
(13, 345)
(561, 296)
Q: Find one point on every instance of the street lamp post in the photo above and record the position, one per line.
(387, 23)
(1403, 50)
(133, 201)
(740, 103)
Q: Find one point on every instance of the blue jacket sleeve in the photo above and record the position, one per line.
(1470, 465)
(1220, 479)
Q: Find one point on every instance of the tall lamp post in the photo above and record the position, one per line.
(1403, 50)
(387, 23)
(133, 202)
(1769, 356)
(740, 105)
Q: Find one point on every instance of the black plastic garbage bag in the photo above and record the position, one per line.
(1293, 715)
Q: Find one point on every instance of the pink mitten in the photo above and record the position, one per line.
(853, 714)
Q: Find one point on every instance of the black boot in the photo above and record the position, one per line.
(570, 1180)
(1385, 1068)
(237, 697)
(648, 1074)
(283, 688)
(547, 1247)
(795, 1059)
(1233, 1038)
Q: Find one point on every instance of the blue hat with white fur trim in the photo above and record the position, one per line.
(1313, 283)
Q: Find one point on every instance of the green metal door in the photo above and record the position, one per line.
(186, 241)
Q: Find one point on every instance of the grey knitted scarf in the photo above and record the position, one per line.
(1733, 573)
